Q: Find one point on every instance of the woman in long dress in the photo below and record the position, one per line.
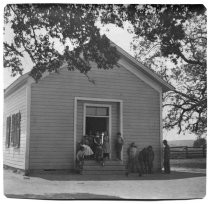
(87, 151)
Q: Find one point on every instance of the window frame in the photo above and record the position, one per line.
(109, 118)
(15, 130)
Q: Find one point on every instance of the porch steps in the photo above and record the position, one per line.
(110, 167)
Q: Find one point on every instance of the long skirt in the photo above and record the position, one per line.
(88, 150)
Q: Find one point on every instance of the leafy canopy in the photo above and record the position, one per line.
(170, 39)
(37, 27)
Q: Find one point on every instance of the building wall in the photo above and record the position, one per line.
(52, 113)
(14, 103)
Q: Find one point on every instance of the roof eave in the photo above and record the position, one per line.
(16, 84)
(165, 86)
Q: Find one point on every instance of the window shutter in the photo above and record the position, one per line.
(8, 130)
(18, 129)
(13, 130)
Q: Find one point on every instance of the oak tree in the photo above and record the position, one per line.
(172, 40)
(38, 27)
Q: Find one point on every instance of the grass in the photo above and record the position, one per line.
(199, 163)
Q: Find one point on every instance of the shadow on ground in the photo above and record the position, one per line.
(134, 176)
(63, 196)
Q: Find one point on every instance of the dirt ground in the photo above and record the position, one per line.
(178, 185)
(196, 163)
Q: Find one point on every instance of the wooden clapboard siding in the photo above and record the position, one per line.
(52, 113)
(14, 103)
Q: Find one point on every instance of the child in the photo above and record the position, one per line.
(145, 160)
(98, 148)
(87, 151)
(141, 162)
(132, 160)
(150, 158)
(106, 147)
(91, 143)
(80, 159)
(119, 145)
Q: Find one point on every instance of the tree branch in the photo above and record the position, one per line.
(12, 48)
(179, 53)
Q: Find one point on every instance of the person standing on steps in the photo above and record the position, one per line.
(119, 145)
(106, 146)
(166, 157)
(98, 148)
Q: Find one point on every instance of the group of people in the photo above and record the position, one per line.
(142, 161)
(97, 147)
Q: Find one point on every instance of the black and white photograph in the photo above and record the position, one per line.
(104, 101)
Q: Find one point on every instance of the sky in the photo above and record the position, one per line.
(120, 37)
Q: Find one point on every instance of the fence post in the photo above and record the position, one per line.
(186, 153)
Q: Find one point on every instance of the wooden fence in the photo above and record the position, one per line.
(186, 152)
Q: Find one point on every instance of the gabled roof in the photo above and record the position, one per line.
(165, 86)
(148, 72)
(17, 83)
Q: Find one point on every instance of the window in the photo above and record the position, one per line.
(13, 130)
(8, 130)
(97, 111)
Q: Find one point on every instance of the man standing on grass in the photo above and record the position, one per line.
(166, 162)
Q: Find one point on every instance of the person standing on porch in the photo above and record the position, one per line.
(166, 157)
(98, 148)
(119, 145)
(106, 146)
(88, 151)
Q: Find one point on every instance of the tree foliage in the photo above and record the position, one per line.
(38, 27)
(181, 34)
(199, 142)
(170, 39)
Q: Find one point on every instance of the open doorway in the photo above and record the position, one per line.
(96, 124)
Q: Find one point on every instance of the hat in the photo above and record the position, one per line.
(133, 144)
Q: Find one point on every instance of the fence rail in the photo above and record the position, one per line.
(186, 152)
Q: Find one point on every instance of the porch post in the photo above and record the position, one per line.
(75, 128)
(121, 124)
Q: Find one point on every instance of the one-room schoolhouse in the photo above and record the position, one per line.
(44, 121)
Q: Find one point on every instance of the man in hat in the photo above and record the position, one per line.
(150, 157)
(166, 161)
(119, 145)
